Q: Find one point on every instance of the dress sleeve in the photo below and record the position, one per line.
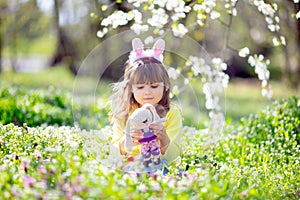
(173, 129)
(117, 133)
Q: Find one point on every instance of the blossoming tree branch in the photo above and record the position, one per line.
(183, 16)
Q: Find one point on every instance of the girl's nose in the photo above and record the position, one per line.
(147, 90)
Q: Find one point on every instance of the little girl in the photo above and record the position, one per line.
(146, 81)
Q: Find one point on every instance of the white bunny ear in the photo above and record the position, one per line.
(158, 47)
(153, 111)
(128, 141)
(137, 46)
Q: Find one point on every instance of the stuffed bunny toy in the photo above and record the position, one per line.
(141, 118)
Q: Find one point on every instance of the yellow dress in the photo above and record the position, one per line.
(173, 128)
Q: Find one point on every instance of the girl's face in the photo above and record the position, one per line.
(148, 93)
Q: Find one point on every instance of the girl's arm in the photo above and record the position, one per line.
(173, 129)
(118, 137)
(160, 131)
(169, 135)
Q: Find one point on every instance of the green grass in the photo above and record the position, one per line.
(44, 45)
(244, 97)
(58, 77)
(257, 160)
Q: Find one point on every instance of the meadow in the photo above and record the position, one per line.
(44, 155)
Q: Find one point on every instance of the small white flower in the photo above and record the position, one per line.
(234, 11)
(138, 28)
(159, 18)
(100, 34)
(186, 81)
(282, 38)
(142, 187)
(214, 14)
(275, 41)
(173, 73)
(264, 92)
(244, 52)
(172, 4)
(180, 30)
(216, 60)
(136, 15)
(269, 20)
(149, 40)
(272, 27)
(298, 15)
(264, 83)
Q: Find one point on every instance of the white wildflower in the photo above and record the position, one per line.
(244, 52)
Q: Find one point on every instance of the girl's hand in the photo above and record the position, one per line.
(160, 131)
(136, 134)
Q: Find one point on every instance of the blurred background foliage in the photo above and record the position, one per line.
(44, 42)
(65, 31)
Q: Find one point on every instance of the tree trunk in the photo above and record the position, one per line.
(291, 72)
(297, 84)
(65, 50)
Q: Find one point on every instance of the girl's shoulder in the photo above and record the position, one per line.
(174, 110)
(174, 107)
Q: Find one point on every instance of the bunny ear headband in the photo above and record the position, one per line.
(139, 52)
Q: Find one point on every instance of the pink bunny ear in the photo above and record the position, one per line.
(137, 46)
(159, 47)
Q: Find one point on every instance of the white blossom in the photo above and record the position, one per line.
(261, 69)
(298, 15)
(177, 16)
(159, 18)
(275, 41)
(149, 40)
(264, 83)
(282, 38)
(214, 14)
(215, 80)
(136, 15)
(101, 34)
(180, 30)
(160, 3)
(244, 52)
(172, 4)
(138, 28)
(173, 73)
(137, 3)
(142, 187)
(233, 11)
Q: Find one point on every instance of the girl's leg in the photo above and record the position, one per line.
(146, 153)
(154, 148)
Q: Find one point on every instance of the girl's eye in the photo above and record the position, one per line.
(154, 86)
(140, 87)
